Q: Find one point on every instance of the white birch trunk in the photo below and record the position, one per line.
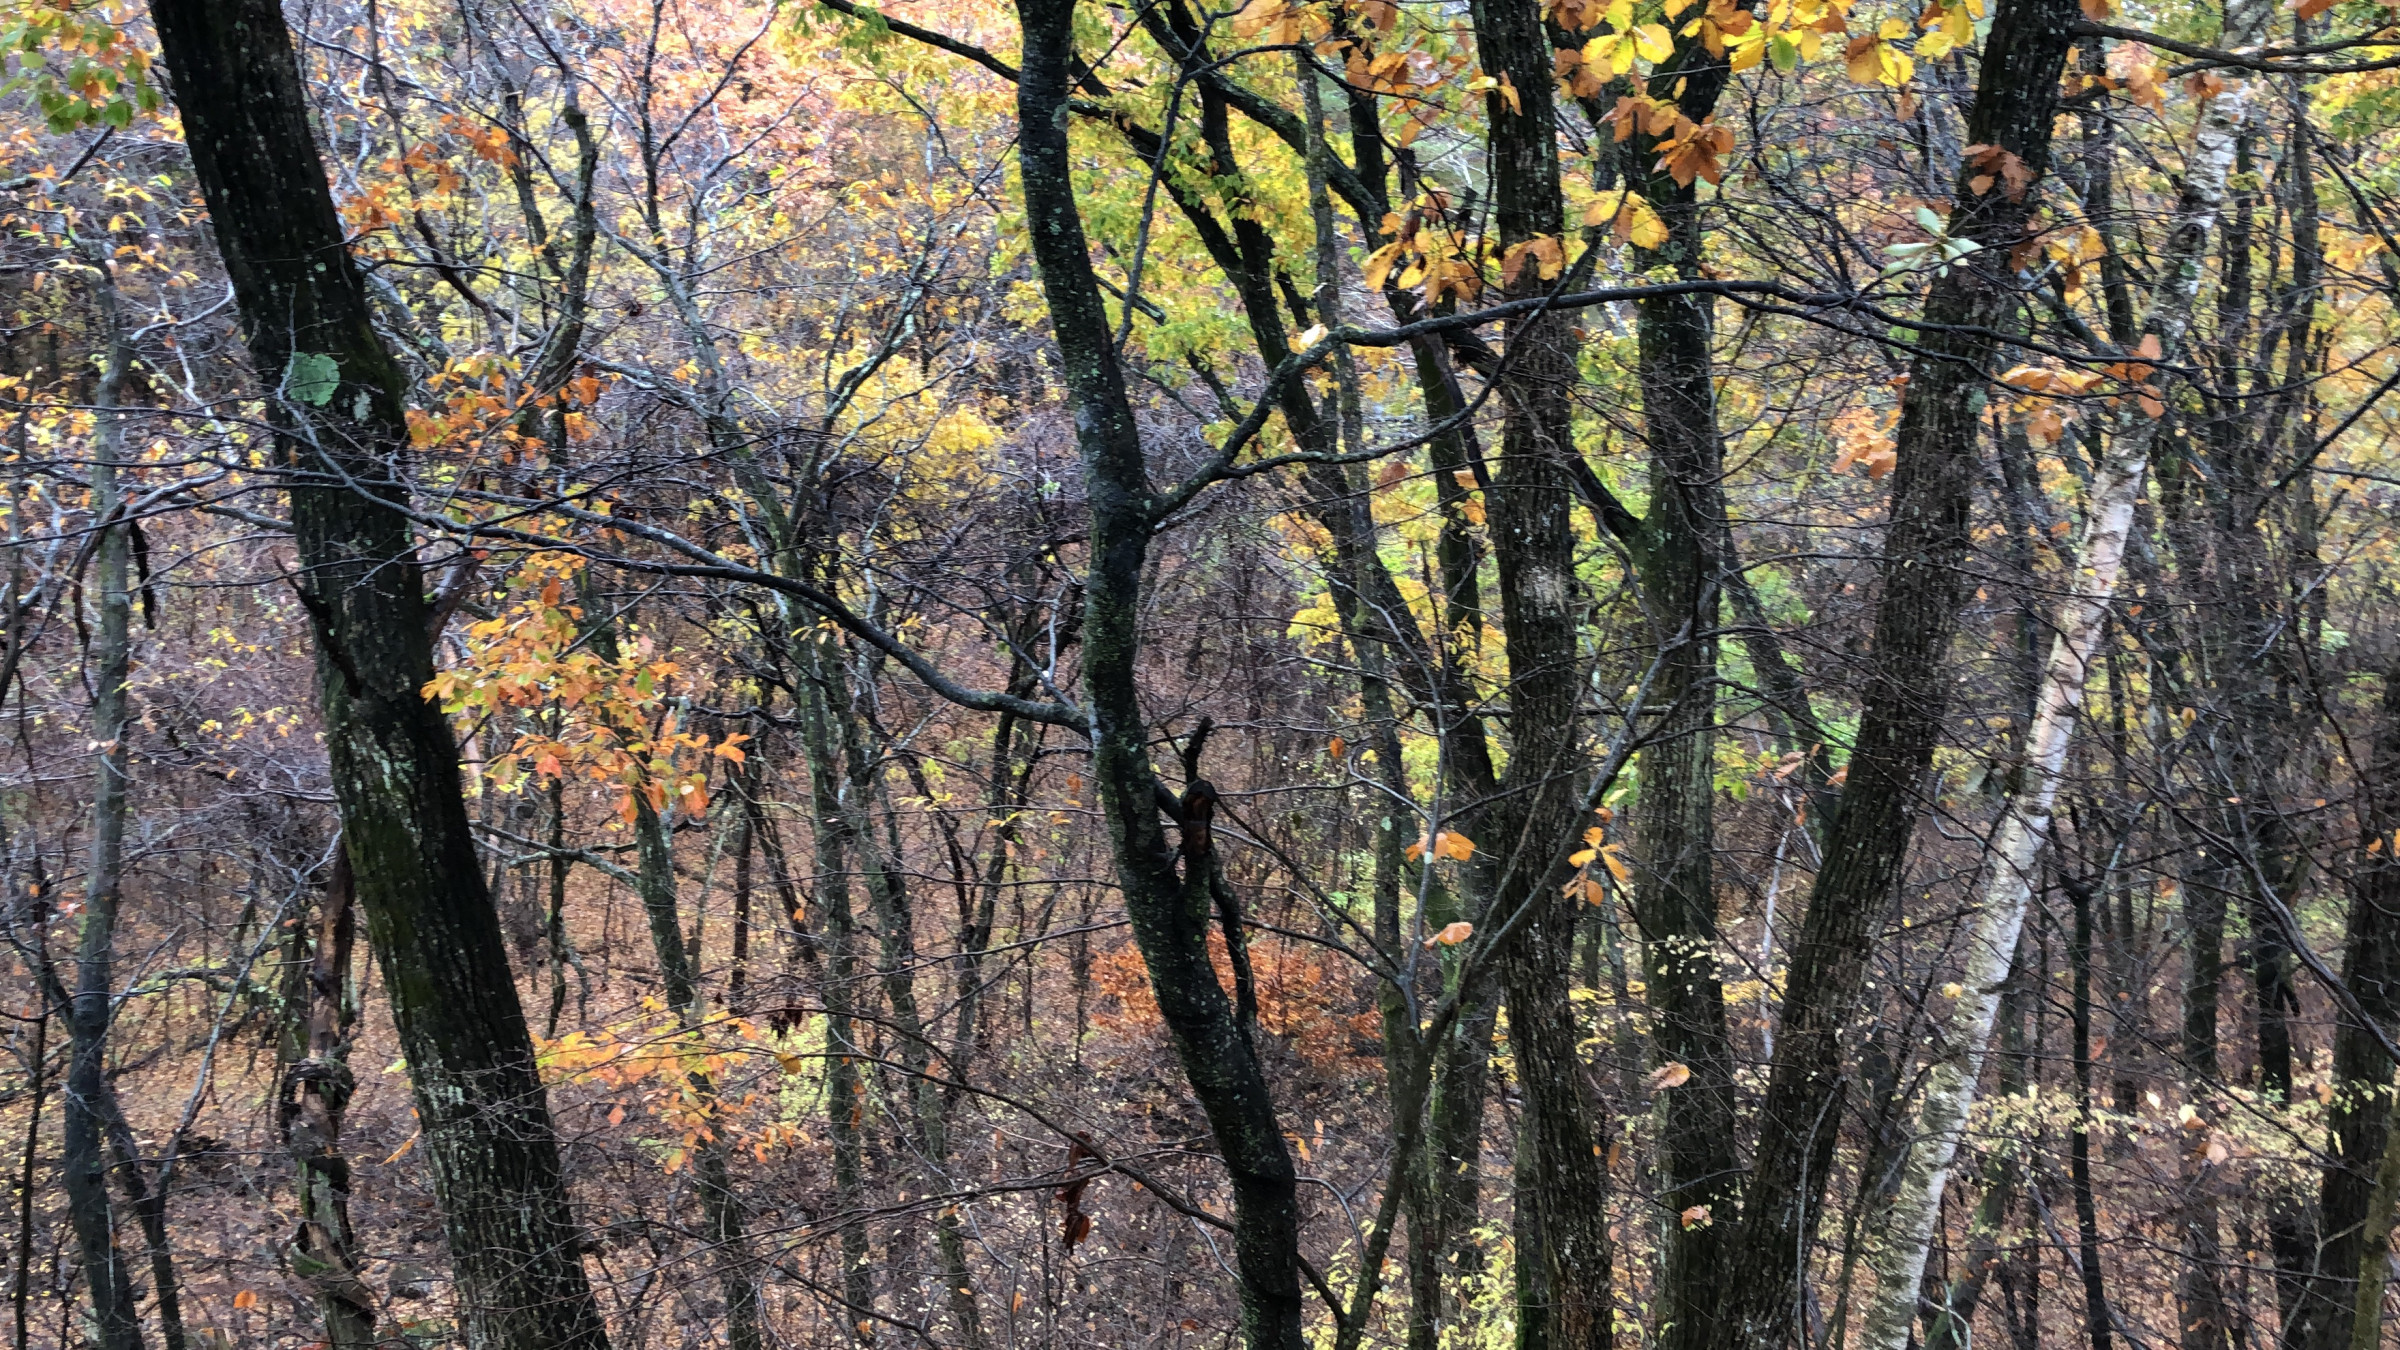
(1898, 1262)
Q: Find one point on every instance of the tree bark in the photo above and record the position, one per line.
(83, 1151)
(315, 1096)
(488, 1139)
(1908, 687)
(1171, 910)
(1529, 505)
(2025, 817)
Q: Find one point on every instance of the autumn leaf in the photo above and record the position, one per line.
(1616, 865)
(1634, 219)
(1995, 164)
(1452, 934)
(1544, 250)
(1672, 1074)
(1691, 152)
(1871, 58)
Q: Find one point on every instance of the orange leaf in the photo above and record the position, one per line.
(248, 1298)
(1670, 1075)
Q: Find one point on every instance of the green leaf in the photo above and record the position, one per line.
(312, 377)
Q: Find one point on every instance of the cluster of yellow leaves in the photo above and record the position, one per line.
(1947, 27)
(674, 1075)
(1619, 49)
(1792, 31)
(2074, 250)
(1432, 257)
(1872, 57)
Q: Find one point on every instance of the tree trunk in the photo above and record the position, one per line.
(315, 1095)
(1529, 503)
(2362, 1075)
(2024, 825)
(487, 1133)
(84, 1158)
(1170, 910)
(1908, 688)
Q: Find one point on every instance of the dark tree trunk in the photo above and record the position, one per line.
(2362, 1073)
(488, 1139)
(1907, 690)
(1170, 908)
(1530, 501)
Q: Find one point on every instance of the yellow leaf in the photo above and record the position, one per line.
(1654, 42)
(1616, 865)
(1582, 857)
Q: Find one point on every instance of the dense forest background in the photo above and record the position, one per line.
(1532, 673)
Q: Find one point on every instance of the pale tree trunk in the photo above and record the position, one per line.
(115, 1322)
(1898, 1263)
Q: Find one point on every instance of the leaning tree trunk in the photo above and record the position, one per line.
(1906, 696)
(336, 409)
(1899, 1262)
